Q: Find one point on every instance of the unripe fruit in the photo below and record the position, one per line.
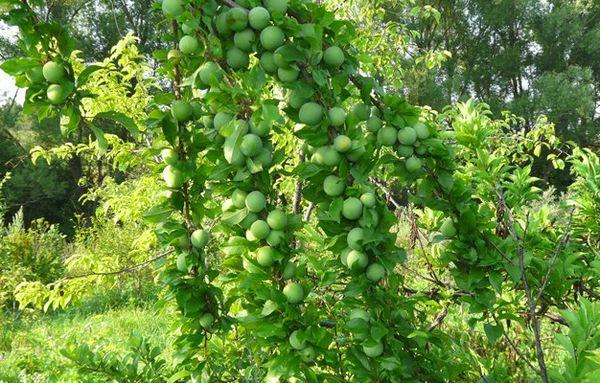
(264, 158)
(344, 256)
(407, 136)
(355, 238)
(181, 110)
(405, 151)
(387, 136)
(422, 130)
(368, 199)
(373, 351)
(373, 124)
(360, 314)
(172, 8)
(352, 208)
(208, 122)
(276, 5)
(342, 143)
(280, 59)
(289, 271)
(237, 19)
(244, 39)
(206, 320)
(293, 292)
(210, 73)
(261, 129)
(448, 229)
(260, 229)
(361, 111)
(295, 341)
(330, 156)
(308, 354)
(239, 198)
(169, 156)
(255, 201)
(199, 238)
(221, 24)
(337, 116)
(251, 145)
(288, 75)
(422, 149)
(53, 71)
(333, 186)
(357, 260)
(375, 272)
(333, 56)
(413, 164)
(35, 75)
(277, 219)
(55, 95)
(265, 256)
(259, 18)
(311, 113)
(275, 238)
(250, 236)
(272, 38)
(267, 63)
(173, 177)
(221, 119)
(237, 58)
(188, 45)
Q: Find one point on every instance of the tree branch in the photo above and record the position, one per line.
(120, 271)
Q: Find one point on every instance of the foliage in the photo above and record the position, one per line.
(28, 254)
(117, 238)
(283, 252)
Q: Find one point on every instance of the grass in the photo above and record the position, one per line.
(30, 344)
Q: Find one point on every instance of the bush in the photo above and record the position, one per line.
(29, 254)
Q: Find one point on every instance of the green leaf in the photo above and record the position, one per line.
(85, 74)
(121, 119)
(157, 214)
(493, 332)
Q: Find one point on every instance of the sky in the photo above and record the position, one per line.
(7, 83)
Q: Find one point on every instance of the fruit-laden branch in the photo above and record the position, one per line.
(123, 270)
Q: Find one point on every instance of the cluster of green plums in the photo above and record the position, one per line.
(55, 75)
(406, 140)
(267, 229)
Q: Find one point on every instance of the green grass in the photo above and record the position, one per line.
(30, 344)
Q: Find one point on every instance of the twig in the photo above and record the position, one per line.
(514, 346)
(298, 190)
(531, 302)
(311, 206)
(388, 194)
(563, 241)
(121, 271)
(439, 319)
